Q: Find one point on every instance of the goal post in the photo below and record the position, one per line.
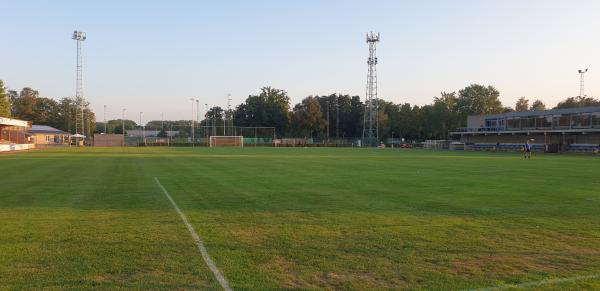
(226, 141)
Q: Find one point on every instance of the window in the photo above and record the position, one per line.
(528, 122)
(501, 123)
(543, 122)
(494, 123)
(596, 120)
(561, 121)
(513, 123)
(582, 120)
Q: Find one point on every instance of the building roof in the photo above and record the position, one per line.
(13, 122)
(45, 129)
(573, 110)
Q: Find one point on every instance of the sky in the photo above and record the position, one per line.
(153, 56)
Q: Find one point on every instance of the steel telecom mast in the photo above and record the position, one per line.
(370, 136)
(79, 37)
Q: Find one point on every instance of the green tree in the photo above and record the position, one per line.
(478, 99)
(445, 108)
(578, 102)
(308, 118)
(522, 105)
(384, 119)
(270, 108)
(215, 114)
(116, 126)
(24, 104)
(538, 105)
(4, 103)
(12, 97)
(46, 112)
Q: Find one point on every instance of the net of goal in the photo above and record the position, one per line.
(226, 141)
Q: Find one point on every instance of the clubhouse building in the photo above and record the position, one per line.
(13, 135)
(557, 130)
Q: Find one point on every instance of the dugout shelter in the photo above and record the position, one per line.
(13, 135)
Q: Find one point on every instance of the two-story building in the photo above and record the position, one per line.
(569, 129)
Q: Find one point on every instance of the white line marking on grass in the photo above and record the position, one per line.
(209, 262)
(540, 283)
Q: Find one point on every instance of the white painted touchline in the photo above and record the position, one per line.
(209, 262)
(540, 283)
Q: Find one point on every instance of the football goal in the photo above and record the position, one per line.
(226, 141)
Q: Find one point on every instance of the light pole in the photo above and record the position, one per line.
(337, 117)
(143, 129)
(214, 122)
(79, 37)
(327, 121)
(104, 119)
(192, 121)
(123, 120)
(581, 74)
(198, 112)
(229, 114)
(198, 116)
(206, 124)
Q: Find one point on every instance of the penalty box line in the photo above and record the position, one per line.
(199, 243)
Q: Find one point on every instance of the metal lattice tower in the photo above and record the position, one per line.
(581, 74)
(370, 134)
(79, 37)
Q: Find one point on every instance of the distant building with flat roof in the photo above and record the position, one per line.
(552, 130)
(48, 136)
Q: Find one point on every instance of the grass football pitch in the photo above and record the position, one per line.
(298, 218)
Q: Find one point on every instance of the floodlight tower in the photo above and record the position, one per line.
(198, 113)
(79, 37)
(123, 120)
(104, 119)
(192, 121)
(581, 74)
(370, 134)
(206, 123)
(227, 114)
(143, 127)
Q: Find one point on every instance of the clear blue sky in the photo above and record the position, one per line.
(152, 56)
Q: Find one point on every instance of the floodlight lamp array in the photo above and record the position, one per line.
(78, 35)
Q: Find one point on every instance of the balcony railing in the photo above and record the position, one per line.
(480, 129)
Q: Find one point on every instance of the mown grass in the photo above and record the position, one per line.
(297, 219)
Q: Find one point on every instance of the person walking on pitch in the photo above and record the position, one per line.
(527, 150)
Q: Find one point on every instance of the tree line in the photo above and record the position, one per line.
(28, 105)
(333, 116)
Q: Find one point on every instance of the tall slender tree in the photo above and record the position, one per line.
(4, 103)
(522, 105)
(538, 105)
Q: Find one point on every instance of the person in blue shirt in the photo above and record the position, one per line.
(527, 150)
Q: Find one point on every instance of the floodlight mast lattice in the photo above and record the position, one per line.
(79, 37)
(581, 88)
(370, 134)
